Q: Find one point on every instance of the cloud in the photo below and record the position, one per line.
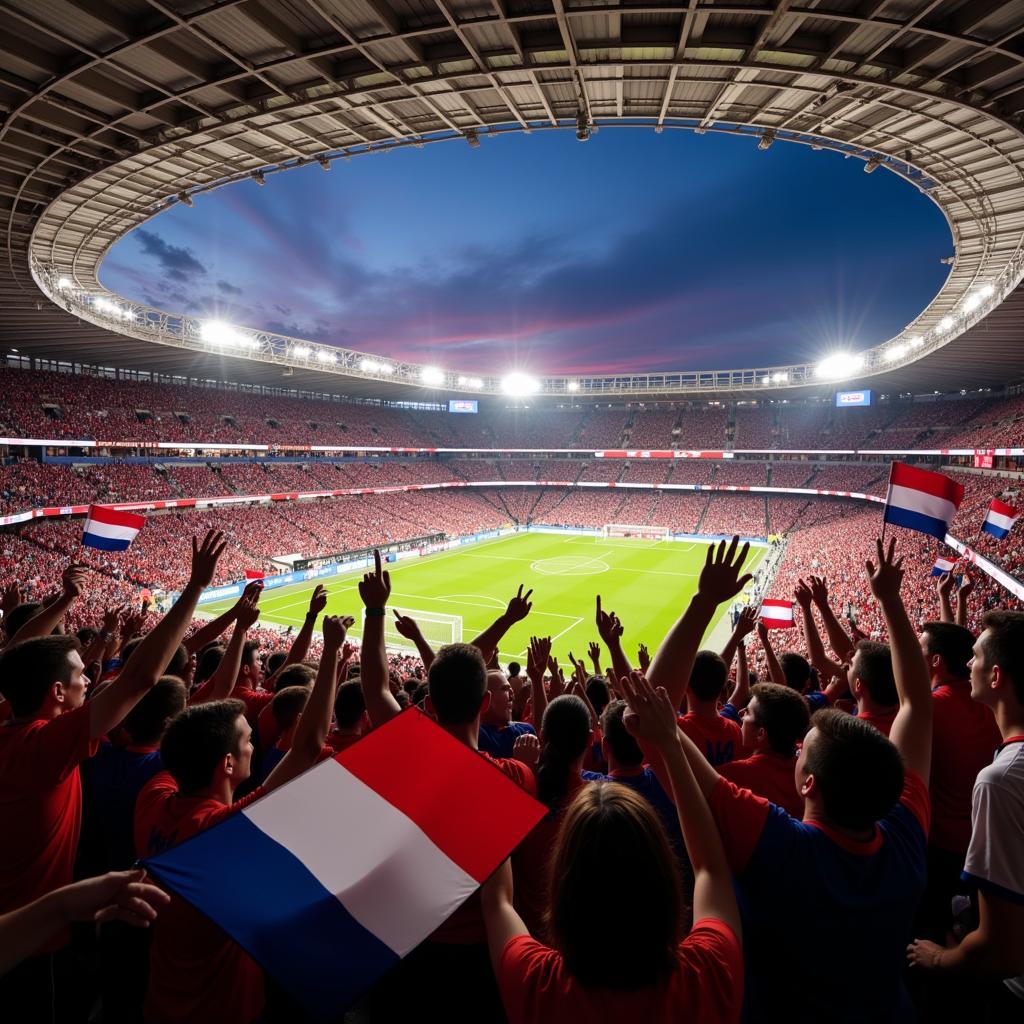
(179, 262)
(227, 288)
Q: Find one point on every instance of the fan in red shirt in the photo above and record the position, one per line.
(196, 972)
(350, 719)
(774, 722)
(53, 730)
(457, 696)
(718, 738)
(617, 952)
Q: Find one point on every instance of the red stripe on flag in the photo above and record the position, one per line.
(254, 574)
(435, 765)
(1002, 508)
(924, 480)
(112, 517)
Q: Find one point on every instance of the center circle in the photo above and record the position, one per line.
(570, 565)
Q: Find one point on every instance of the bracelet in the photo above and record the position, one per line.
(376, 611)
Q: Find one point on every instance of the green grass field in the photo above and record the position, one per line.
(648, 583)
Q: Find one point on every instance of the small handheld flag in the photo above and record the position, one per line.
(369, 853)
(254, 574)
(942, 566)
(999, 519)
(920, 500)
(110, 530)
(777, 614)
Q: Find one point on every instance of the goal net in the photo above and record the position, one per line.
(630, 530)
(437, 629)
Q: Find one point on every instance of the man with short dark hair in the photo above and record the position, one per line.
(350, 719)
(718, 738)
(498, 733)
(873, 686)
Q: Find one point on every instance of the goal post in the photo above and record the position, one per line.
(635, 530)
(437, 628)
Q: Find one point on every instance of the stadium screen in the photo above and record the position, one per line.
(847, 398)
(463, 405)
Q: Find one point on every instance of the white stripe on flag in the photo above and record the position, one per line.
(944, 564)
(381, 866)
(998, 519)
(111, 532)
(920, 501)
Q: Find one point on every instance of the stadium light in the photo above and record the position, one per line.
(186, 199)
(64, 283)
(518, 385)
(432, 375)
(258, 177)
(872, 165)
(385, 368)
(326, 357)
(894, 352)
(324, 163)
(916, 341)
(766, 380)
(369, 366)
(767, 138)
(780, 378)
(301, 351)
(216, 332)
(840, 365)
(945, 324)
(573, 385)
(975, 299)
(470, 382)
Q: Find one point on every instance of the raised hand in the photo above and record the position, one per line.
(650, 717)
(762, 633)
(406, 626)
(253, 586)
(375, 587)
(111, 620)
(73, 580)
(922, 953)
(519, 606)
(317, 600)
(335, 629)
(205, 555)
(803, 595)
(747, 622)
(720, 578)
(966, 587)
(594, 653)
(609, 629)
(557, 686)
(819, 590)
(885, 578)
(579, 670)
(537, 657)
(117, 895)
(526, 749)
(944, 586)
(247, 611)
(643, 656)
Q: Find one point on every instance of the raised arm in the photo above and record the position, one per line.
(46, 620)
(311, 730)
(745, 624)
(944, 588)
(300, 645)
(517, 610)
(740, 696)
(838, 639)
(912, 729)
(222, 682)
(410, 629)
(95, 652)
(961, 600)
(609, 629)
(375, 589)
(827, 668)
(209, 631)
(719, 581)
(775, 672)
(537, 658)
(652, 720)
(150, 658)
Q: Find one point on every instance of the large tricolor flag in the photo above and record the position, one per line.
(942, 566)
(921, 500)
(777, 614)
(331, 879)
(110, 530)
(999, 519)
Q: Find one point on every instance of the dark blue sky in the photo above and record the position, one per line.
(633, 251)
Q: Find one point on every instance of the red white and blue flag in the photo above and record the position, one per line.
(356, 861)
(999, 519)
(777, 614)
(921, 500)
(110, 530)
(942, 566)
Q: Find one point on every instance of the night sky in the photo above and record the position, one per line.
(633, 251)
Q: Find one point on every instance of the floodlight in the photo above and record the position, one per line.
(258, 177)
(324, 356)
(840, 365)
(872, 165)
(432, 375)
(766, 380)
(184, 197)
(369, 366)
(573, 385)
(470, 382)
(767, 138)
(471, 138)
(64, 283)
(916, 341)
(780, 378)
(324, 162)
(582, 124)
(894, 352)
(385, 368)
(520, 384)
(301, 351)
(986, 291)
(216, 332)
(945, 324)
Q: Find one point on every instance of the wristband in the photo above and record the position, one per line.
(376, 611)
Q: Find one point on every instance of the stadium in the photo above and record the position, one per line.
(375, 563)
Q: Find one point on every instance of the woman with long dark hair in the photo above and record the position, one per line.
(615, 913)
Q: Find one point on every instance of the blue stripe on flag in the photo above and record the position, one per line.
(997, 531)
(916, 521)
(94, 540)
(264, 898)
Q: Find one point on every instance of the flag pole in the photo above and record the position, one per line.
(888, 487)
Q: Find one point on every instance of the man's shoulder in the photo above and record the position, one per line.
(1006, 772)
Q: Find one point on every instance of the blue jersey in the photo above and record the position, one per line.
(646, 783)
(816, 903)
(499, 742)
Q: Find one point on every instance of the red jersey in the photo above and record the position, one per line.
(41, 806)
(769, 775)
(466, 925)
(717, 738)
(195, 971)
(706, 986)
(882, 721)
(340, 741)
(964, 740)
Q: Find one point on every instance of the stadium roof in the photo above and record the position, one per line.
(115, 109)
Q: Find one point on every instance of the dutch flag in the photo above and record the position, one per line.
(366, 855)
(921, 500)
(777, 614)
(110, 530)
(942, 566)
(999, 519)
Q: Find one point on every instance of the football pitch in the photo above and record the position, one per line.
(648, 583)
